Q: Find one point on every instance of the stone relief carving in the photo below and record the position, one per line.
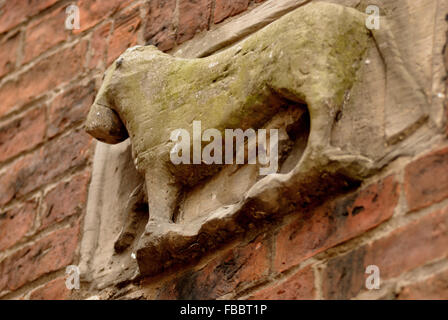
(306, 74)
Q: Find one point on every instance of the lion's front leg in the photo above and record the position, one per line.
(163, 193)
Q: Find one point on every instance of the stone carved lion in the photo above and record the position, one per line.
(310, 57)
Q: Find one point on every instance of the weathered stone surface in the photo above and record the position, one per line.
(358, 132)
(105, 266)
(154, 94)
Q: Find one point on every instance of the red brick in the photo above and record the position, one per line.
(14, 12)
(45, 75)
(412, 245)
(66, 199)
(98, 45)
(16, 223)
(404, 249)
(159, 30)
(345, 276)
(44, 164)
(226, 8)
(426, 180)
(70, 108)
(44, 33)
(53, 290)
(434, 287)
(8, 54)
(236, 269)
(335, 222)
(93, 12)
(124, 34)
(46, 255)
(299, 286)
(22, 133)
(194, 16)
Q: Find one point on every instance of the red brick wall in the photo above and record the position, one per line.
(398, 223)
(48, 79)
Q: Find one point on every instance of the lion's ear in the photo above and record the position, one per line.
(105, 125)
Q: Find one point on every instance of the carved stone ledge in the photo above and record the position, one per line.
(325, 91)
